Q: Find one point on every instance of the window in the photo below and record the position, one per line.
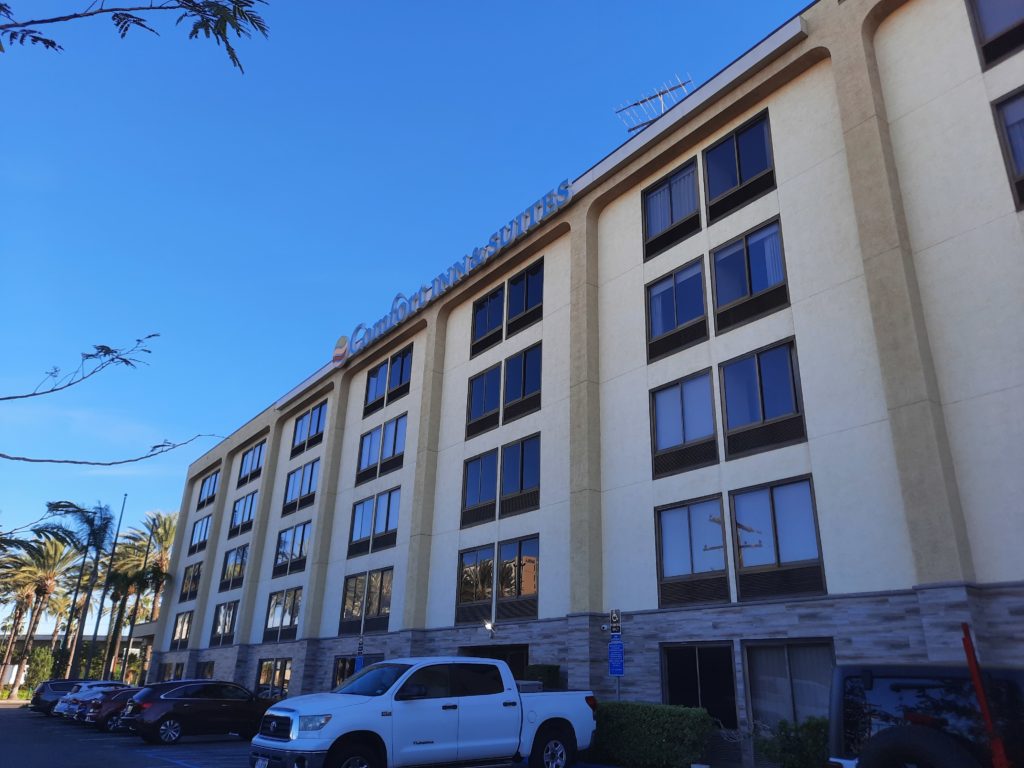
(484, 401)
(252, 464)
(998, 27)
(190, 582)
(671, 210)
(522, 383)
(204, 670)
(739, 168)
(702, 676)
(518, 568)
(374, 523)
(683, 426)
(182, 629)
(520, 476)
(208, 489)
(376, 388)
(224, 618)
(170, 671)
(789, 682)
(382, 449)
(750, 277)
(488, 314)
(200, 534)
(691, 549)
(477, 679)
(675, 311)
(480, 485)
(776, 537)
(242, 514)
(232, 572)
(366, 605)
(300, 487)
(346, 666)
(1010, 120)
(283, 615)
(476, 585)
(433, 682)
(526, 297)
(762, 401)
(401, 374)
(290, 554)
(309, 428)
(390, 378)
(272, 679)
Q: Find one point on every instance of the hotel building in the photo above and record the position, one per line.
(755, 379)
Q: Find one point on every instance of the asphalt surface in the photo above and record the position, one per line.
(31, 740)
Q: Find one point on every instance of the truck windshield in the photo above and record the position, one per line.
(375, 680)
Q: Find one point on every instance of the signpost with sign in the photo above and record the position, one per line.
(616, 649)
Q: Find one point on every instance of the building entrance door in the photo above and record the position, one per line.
(701, 676)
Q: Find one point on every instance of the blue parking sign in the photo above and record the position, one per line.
(616, 659)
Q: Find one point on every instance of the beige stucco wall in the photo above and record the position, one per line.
(848, 440)
(552, 421)
(968, 249)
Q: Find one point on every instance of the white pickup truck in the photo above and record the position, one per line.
(441, 711)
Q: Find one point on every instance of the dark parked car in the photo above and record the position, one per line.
(104, 712)
(47, 694)
(164, 712)
(885, 716)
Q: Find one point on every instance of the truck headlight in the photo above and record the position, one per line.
(313, 722)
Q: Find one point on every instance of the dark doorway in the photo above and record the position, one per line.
(702, 676)
(516, 656)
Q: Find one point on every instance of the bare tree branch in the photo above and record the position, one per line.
(107, 356)
(87, 13)
(156, 450)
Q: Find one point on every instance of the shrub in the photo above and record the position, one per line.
(546, 674)
(650, 735)
(40, 663)
(797, 746)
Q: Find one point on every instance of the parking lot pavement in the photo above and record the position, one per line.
(31, 740)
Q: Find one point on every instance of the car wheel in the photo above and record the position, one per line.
(914, 745)
(168, 731)
(553, 747)
(49, 710)
(354, 755)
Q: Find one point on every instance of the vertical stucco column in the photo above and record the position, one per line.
(326, 525)
(421, 512)
(585, 572)
(930, 495)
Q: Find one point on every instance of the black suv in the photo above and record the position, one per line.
(48, 693)
(164, 712)
(927, 716)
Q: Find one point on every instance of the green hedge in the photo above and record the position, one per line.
(796, 746)
(650, 735)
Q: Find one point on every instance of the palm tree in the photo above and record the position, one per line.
(57, 607)
(22, 595)
(157, 565)
(43, 568)
(95, 531)
(123, 583)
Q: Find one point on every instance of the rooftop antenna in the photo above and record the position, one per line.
(649, 108)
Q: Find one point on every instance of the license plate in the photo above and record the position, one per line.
(262, 762)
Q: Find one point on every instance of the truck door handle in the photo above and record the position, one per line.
(449, 706)
(509, 704)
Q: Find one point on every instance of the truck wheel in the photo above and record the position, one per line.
(354, 755)
(553, 747)
(914, 745)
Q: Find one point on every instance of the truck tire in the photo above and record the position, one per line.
(915, 745)
(356, 754)
(554, 746)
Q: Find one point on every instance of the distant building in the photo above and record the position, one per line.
(756, 379)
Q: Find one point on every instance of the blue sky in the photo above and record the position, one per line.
(146, 186)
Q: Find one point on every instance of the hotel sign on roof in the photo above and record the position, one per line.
(404, 307)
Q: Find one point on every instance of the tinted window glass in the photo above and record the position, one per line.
(998, 16)
(428, 683)
(375, 680)
(753, 150)
(1012, 114)
(742, 403)
(478, 680)
(730, 274)
(721, 168)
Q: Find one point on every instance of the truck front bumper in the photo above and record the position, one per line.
(285, 758)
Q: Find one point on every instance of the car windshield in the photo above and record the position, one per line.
(375, 680)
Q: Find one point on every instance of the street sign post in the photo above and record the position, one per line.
(616, 657)
(615, 620)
